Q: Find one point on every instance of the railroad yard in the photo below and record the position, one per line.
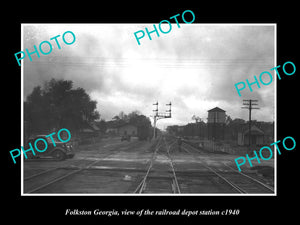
(112, 166)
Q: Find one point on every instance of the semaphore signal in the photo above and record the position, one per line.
(158, 115)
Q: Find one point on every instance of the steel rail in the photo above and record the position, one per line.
(175, 186)
(197, 150)
(52, 169)
(177, 190)
(40, 173)
(61, 177)
(58, 167)
(251, 178)
(242, 174)
(237, 188)
(66, 175)
(142, 184)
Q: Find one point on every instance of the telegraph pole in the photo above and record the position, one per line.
(155, 116)
(158, 116)
(249, 103)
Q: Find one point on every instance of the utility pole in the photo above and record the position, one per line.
(249, 103)
(158, 116)
(155, 116)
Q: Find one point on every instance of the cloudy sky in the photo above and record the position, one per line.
(194, 66)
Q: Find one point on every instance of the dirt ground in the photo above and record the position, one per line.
(114, 167)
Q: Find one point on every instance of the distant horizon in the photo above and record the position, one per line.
(195, 67)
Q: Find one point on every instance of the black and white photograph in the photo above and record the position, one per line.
(130, 109)
(148, 113)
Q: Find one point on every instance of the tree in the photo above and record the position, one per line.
(57, 106)
(173, 130)
(228, 120)
(102, 125)
(35, 112)
(143, 124)
(233, 127)
(196, 118)
(116, 118)
(135, 118)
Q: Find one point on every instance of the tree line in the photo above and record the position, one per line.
(134, 118)
(57, 104)
(231, 128)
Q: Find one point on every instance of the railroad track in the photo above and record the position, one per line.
(40, 181)
(160, 177)
(239, 182)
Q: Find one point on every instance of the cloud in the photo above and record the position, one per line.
(195, 67)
